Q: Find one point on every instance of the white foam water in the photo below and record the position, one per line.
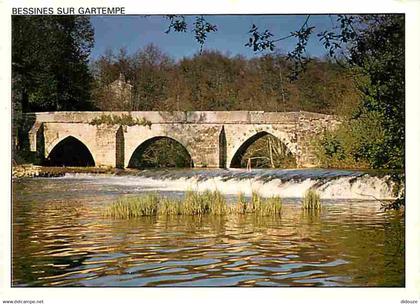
(330, 184)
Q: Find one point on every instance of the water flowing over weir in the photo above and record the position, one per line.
(330, 184)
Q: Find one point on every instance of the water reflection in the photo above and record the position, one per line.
(61, 239)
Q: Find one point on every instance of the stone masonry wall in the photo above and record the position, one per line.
(199, 132)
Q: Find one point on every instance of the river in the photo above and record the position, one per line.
(60, 237)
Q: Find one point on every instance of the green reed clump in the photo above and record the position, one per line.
(208, 202)
(311, 200)
(169, 207)
(132, 207)
(265, 206)
(193, 203)
(217, 203)
(241, 205)
(272, 205)
(256, 202)
(258, 205)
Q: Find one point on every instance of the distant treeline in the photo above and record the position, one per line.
(215, 81)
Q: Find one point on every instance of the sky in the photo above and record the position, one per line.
(135, 32)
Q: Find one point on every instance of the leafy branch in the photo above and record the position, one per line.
(297, 56)
(201, 27)
(177, 23)
(332, 41)
(261, 41)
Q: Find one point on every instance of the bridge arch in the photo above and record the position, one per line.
(69, 151)
(242, 143)
(141, 149)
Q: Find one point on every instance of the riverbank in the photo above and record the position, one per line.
(29, 170)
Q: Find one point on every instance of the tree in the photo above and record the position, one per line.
(379, 53)
(374, 132)
(49, 62)
(151, 78)
(112, 78)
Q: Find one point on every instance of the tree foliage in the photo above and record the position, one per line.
(374, 132)
(215, 81)
(49, 62)
(379, 52)
(201, 27)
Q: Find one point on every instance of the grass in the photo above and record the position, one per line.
(134, 207)
(311, 200)
(193, 203)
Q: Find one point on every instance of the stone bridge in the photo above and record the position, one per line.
(213, 139)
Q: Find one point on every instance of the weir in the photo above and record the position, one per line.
(331, 184)
(212, 139)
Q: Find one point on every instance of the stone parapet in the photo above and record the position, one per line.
(199, 117)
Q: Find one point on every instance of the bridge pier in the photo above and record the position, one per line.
(101, 141)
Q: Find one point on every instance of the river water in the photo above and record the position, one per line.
(60, 237)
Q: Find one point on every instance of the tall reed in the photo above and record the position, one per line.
(241, 205)
(265, 206)
(311, 200)
(132, 207)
